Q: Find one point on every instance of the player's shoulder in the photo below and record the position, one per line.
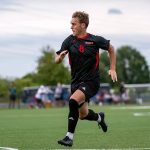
(70, 37)
(94, 36)
(98, 38)
(69, 40)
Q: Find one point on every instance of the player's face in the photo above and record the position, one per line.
(77, 27)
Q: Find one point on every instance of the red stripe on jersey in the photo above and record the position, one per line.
(97, 60)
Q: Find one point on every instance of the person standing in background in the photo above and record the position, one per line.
(12, 96)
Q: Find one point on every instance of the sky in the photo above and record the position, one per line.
(28, 26)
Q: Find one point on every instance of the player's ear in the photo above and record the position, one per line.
(83, 25)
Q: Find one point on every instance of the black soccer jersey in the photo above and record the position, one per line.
(83, 56)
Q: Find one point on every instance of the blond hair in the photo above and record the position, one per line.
(82, 16)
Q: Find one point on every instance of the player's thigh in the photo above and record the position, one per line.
(79, 96)
(89, 88)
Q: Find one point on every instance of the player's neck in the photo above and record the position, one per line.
(82, 35)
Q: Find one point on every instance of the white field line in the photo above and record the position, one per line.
(132, 107)
(110, 149)
(7, 148)
(141, 114)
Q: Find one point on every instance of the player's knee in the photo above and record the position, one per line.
(82, 116)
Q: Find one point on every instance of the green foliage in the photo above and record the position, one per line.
(3, 87)
(132, 66)
(104, 67)
(21, 83)
(48, 72)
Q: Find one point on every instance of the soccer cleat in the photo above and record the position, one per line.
(102, 124)
(66, 141)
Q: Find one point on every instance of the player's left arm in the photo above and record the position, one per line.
(112, 56)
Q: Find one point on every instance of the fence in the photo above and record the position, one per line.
(139, 93)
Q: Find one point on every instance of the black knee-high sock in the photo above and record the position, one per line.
(73, 115)
(92, 116)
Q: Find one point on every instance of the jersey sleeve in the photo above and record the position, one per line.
(102, 42)
(64, 46)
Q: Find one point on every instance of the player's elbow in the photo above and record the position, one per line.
(111, 49)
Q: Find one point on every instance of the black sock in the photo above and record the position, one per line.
(73, 115)
(92, 116)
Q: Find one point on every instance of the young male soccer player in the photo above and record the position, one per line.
(83, 52)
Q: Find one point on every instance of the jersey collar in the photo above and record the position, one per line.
(84, 37)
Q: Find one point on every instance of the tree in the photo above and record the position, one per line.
(132, 66)
(104, 67)
(3, 87)
(48, 72)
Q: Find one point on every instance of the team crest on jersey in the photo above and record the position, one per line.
(81, 48)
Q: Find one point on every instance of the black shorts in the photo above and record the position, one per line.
(89, 88)
(12, 97)
(58, 98)
(38, 100)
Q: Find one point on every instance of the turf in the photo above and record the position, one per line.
(39, 129)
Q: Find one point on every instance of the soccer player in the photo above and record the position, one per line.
(83, 52)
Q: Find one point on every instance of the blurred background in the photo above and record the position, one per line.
(32, 31)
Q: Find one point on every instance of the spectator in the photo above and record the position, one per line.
(124, 93)
(45, 98)
(122, 89)
(125, 97)
(39, 96)
(115, 97)
(100, 98)
(12, 96)
(58, 95)
(107, 97)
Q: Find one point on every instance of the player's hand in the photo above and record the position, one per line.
(113, 75)
(63, 54)
(60, 57)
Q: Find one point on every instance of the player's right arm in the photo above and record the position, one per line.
(60, 57)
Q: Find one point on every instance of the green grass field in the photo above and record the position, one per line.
(39, 129)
